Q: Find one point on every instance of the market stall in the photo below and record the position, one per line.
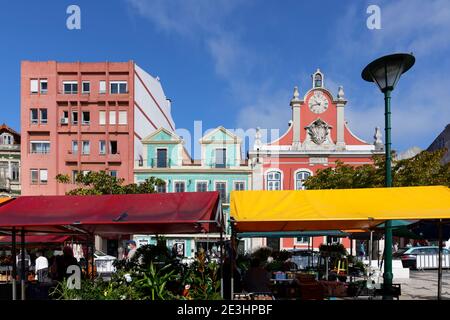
(345, 209)
(105, 215)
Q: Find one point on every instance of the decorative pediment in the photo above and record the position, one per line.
(220, 135)
(162, 135)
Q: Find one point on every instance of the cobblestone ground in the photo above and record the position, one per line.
(422, 285)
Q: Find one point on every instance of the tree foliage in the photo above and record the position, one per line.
(425, 169)
(98, 183)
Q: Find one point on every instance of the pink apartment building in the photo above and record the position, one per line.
(79, 117)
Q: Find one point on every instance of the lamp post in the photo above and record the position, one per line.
(386, 72)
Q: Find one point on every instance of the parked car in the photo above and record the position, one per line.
(304, 258)
(408, 256)
(104, 262)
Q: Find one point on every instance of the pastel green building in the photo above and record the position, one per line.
(221, 168)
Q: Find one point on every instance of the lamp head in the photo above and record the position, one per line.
(386, 71)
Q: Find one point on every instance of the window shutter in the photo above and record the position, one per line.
(34, 86)
(102, 117)
(122, 117)
(102, 88)
(112, 117)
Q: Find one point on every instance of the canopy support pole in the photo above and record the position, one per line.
(14, 265)
(221, 260)
(22, 264)
(370, 248)
(92, 243)
(439, 297)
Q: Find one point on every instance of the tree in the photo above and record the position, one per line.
(425, 169)
(98, 183)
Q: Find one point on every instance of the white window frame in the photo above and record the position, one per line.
(41, 181)
(102, 86)
(75, 142)
(118, 82)
(202, 181)
(112, 117)
(72, 117)
(102, 120)
(83, 122)
(238, 181)
(123, 121)
(156, 157)
(301, 243)
(100, 147)
(34, 86)
(34, 121)
(71, 83)
(82, 86)
(42, 142)
(82, 147)
(116, 171)
(215, 157)
(266, 178)
(179, 181)
(295, 176)
(227, 195)
(41, 81)
(166, 185)
(37, 176)
(40, 116)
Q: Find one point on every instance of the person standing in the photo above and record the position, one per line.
(41, 267)
(19, 264)
(132, 249)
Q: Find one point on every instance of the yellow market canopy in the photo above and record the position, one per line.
(338, 209)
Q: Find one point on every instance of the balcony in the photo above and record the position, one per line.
(114, 157)
(71, 157)
(161, 164)
(10, 147)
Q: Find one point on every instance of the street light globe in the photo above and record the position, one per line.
(386, 71)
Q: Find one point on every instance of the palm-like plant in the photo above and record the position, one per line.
(154, 281)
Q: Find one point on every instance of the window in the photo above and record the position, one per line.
(34, 174)
(65, 117)
(74, 147)
(85, 117)
(74, 117)
(221, 187)
(331, 239)
(33, 86)
(15, 171)
(113, 173)
(112, 117)
(113, 147)
(86, 147)
(74, 176)
(161, 158)
(221, 158)
(273, 180)
(102, 86)
(239, 185)
(300, 178)
(86, 87)
(123, 117)
(70, 87)
(34, 116)
(102, 118)
(161, 188)
(302, 240)
(43, 176)
(202, 186)
(40, 147)
(44, 86)
(44, 117)
(318, 80)
(118, 87)
(179, 186)
(6, 138)
(102, 147)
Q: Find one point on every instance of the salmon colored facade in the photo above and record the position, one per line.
(317, 137)
(78, 117)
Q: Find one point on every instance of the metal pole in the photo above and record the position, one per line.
(14, 265)
(440, 261)
(387, 276)
(22, 264)
(232, 265)
(221, 261)
(370, 248)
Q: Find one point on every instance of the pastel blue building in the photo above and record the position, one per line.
(221, 168)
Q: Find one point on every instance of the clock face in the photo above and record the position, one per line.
(318, 103)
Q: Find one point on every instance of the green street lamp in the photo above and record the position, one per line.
(386, 72)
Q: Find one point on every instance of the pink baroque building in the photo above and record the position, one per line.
(318, 135)
(79, 117)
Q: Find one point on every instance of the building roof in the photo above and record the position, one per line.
(5, 128)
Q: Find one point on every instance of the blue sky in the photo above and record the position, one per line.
(235, 63)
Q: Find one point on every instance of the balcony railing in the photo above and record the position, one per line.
(159, 163)
(10, 147)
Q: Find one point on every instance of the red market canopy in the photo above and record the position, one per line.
(106, 215)
(36, 239)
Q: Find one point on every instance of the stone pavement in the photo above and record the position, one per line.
(422, 285)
